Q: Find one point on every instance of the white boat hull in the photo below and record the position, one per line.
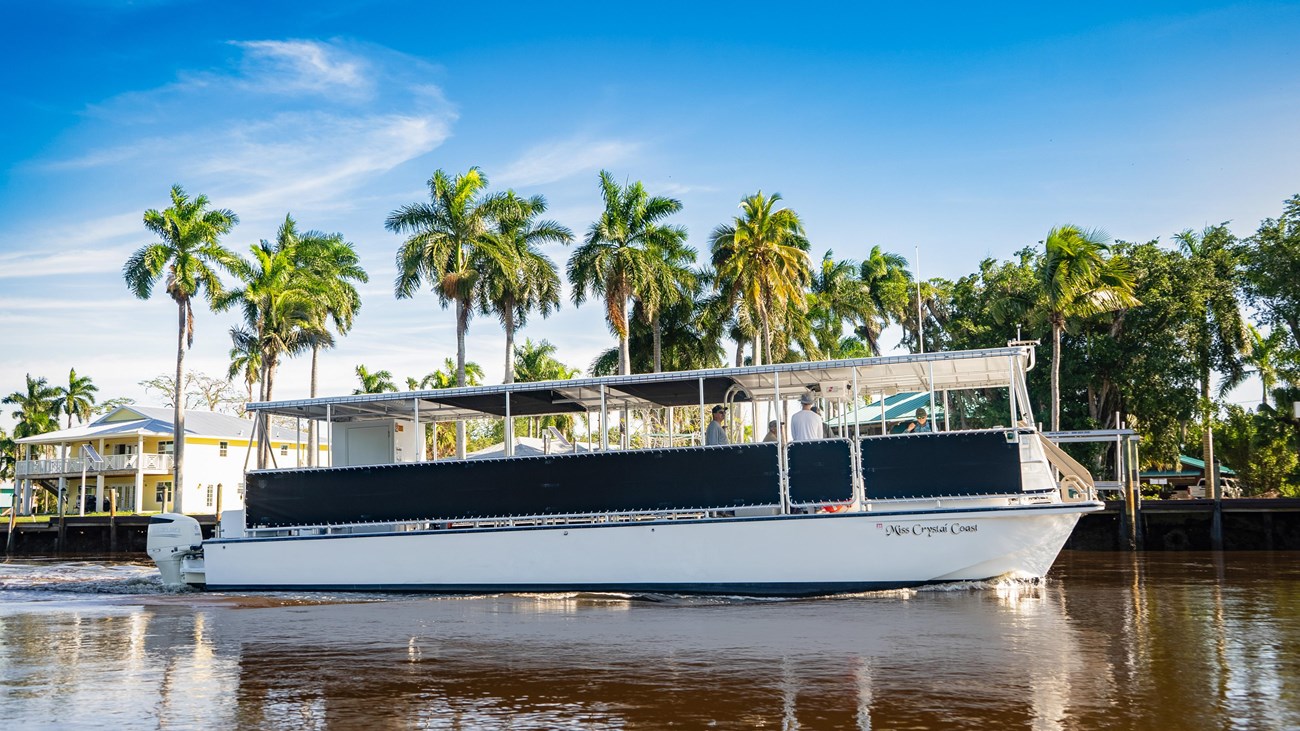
(793, 555)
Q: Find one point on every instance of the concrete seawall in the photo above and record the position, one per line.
(1249, 524)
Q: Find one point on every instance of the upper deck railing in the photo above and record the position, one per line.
(111, 463)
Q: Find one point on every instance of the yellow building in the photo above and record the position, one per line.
(127, 455)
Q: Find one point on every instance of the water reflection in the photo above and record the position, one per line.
(1111, 640)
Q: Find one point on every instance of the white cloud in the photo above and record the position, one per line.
(302, 66)
(552, 161)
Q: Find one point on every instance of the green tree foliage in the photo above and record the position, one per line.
(623, 253)
(36, 411)
(1219, 339)
(374, 382)
(838, 298)
(536, 362)
(518, 278)
(762, 265)
(888, 284)
(1076, 279)
(1271, 268)
(77, 398)
(1259, 446)
(186, 257)
(444, 250)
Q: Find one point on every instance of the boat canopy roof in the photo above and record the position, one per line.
(952, 371)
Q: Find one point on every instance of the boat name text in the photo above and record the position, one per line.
(929, 531)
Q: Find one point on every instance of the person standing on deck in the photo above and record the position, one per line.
(806, 425)
(715, 434)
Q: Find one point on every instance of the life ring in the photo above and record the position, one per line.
(834, 508)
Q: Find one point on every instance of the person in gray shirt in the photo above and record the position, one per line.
(715, 434)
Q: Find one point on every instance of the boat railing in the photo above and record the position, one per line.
(955, 502)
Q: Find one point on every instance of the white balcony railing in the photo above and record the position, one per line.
(110, 463)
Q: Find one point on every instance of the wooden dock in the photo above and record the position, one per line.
(92, 534)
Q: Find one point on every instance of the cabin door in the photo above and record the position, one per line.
(370, 445)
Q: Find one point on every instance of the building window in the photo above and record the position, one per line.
(212, 496)
(284, 450)
(223, 447)
(167, 447)
(162, 493)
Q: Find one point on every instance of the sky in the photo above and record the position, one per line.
(960, 131)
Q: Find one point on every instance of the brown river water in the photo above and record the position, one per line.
(1108, 641)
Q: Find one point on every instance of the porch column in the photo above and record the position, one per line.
(99, 480)
(28, 503)
(63, 468)
(139, 475)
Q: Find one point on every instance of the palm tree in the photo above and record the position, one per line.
(837, 295)
(377, 382)
(443, 250)
(1074, 280)
(517, 277)
(536, 362)
(188, 254)
(887, 281)
(620, 252)
(37, 412)
(928, 320)
(77, 398)
(444, 377)
(1268, 355)
(276, 302)
(762, 262)
(672, 282)
(1219, 339)
(245, 358)
(330, 266)
(8, 460)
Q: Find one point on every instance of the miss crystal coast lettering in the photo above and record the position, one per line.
(929, 531)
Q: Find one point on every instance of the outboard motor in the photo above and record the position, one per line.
(173, 538)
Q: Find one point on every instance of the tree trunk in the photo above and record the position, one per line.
(740, 352)
(624, 351)
(1207, 439)
(510, 347)
(1056, 375)
(658, 345)
(311, 423)
(178, 419)
(767, 341)
(462, 324)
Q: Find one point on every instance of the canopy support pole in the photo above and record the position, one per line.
(703, 419)
(604, 421)
(509, 430)
(783, 488)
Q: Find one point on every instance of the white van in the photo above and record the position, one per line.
(1227, 484)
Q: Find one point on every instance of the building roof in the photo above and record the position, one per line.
(1196, 465)
(155, 421)
(898, 407)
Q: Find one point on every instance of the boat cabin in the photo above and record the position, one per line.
(641, 452)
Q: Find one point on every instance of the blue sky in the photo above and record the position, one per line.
(962, 130)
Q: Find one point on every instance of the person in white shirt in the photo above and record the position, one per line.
(806, 425)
